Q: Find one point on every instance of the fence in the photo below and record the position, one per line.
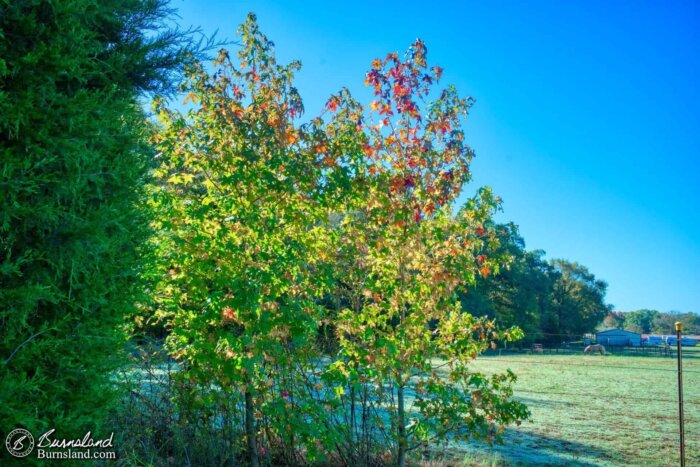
(564, 349)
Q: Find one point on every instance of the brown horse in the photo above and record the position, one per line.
(595, 348)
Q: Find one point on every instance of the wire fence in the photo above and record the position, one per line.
(690, 353)
(588, 415)
(604, 365)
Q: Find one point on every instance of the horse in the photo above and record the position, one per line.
(595, 348)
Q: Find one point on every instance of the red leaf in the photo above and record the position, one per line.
(228, 314)
(332, 104)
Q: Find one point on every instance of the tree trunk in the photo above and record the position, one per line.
(403, 442)
(250, 430)
(352, 415)
(402, 429)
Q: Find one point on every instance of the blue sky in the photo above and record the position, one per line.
(586, 119)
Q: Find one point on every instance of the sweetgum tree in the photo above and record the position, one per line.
(403, 254)
(242, 197)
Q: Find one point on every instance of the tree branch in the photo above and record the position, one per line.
(31, 338)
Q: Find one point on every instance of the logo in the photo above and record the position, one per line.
(19, 442)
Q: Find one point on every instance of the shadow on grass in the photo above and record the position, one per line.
(528, 448)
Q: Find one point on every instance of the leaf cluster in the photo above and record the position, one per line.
(263, 222)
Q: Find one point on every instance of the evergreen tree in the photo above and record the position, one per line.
(73, 164)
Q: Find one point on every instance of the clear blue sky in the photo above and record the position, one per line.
(587, 115)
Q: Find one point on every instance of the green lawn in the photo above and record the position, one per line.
(586, 410)
(595, 410)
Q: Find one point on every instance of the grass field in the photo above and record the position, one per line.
(595, 410)
(586, 410)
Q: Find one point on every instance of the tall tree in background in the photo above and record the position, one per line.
(73, 166)
(520, 294)
(614, 320)
(641, 321)
(551, 301)
(578, 301)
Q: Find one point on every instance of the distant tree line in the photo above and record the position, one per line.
(552, 301)
(652, 321)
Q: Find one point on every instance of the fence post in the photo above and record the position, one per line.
(679, 330)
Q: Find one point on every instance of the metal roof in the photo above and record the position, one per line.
(618, 331)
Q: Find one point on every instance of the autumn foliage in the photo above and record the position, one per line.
(271, 232)
(408, 253)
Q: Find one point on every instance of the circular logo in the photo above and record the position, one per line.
(19, 442)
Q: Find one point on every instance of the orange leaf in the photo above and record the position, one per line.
(290, 138)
